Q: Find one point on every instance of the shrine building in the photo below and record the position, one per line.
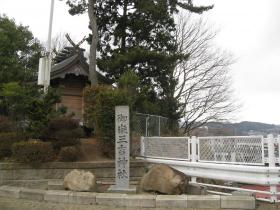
(70, 73)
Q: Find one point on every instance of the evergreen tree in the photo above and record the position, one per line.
(28, 106)
(19, 52)
(138, 35)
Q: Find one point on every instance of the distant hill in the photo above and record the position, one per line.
(241, 128)
(246, 127)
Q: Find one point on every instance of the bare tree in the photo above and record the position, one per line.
(59, 42)
(204, 85)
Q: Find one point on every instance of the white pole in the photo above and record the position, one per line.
(271, 162)
(49, 45)
(271, 156)
(146, 131)
(193, 155)
(50, 28)
(158, 125)
(142, 146)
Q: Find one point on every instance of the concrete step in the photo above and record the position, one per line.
(58, 184)
(31, 184)
(111, 182)
(104, 180)
(55, 185)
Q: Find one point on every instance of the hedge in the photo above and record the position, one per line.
(32, 151)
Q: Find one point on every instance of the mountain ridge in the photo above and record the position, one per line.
(240, 128)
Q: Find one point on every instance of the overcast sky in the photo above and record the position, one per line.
(250, 29)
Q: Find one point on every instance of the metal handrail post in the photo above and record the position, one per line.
(146, 131)
(271, 162)
(158, 125)
(193, 153)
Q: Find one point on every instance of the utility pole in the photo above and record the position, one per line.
(45, 63)
(50, 28)
(49, 49)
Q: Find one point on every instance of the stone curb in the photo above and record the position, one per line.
(32, 194)
(171, 201)
(131, 200)
(9, 191)
(242, 202)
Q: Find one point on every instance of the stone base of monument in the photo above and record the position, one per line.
(116, 189)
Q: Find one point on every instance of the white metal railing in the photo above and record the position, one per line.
(170, 147)
(246, 150)
(276, 149)
(242, 159)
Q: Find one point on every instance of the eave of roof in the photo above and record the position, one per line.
(61, 69)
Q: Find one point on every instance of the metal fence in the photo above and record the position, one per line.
(152, 125)
(170, 147)
(250, 160)
(236, 149)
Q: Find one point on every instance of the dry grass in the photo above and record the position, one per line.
(91, 150)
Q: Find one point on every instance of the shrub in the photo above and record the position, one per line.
(32, 151)
(6, 125)
(91, 98)
(108, 149)
(7, 139)
(102, 114)
(69, 154)
(29, 104)
(63, 131)
(65, 138)
(62, 123)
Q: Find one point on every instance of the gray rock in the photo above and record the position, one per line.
(164, 180)
(79, 180)
(196, 190)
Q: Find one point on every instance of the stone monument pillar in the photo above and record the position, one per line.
(122, 144)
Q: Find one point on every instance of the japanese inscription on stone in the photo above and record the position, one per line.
(122, 146)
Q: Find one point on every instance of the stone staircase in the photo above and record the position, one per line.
(102, 184)
(57, 184)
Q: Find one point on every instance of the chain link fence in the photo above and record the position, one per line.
(150, 125)
(231, 149)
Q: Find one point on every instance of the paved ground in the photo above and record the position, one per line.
(20, 204)
(268, 206)
(261, 188)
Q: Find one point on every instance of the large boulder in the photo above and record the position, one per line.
(164, 180)
(79, 180)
